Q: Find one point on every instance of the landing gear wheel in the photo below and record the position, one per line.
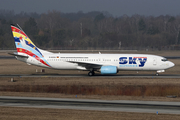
(91, 73)
(157, 74)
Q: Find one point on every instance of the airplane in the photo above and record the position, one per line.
(106, 64)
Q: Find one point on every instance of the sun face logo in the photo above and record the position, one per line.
(18, 43)
(20, 50)
(14, 29)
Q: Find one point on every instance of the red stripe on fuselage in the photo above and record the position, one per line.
(21, 50)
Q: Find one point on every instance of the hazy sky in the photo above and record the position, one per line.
(115, 7)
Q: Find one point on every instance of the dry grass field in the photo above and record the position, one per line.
(11, 113)
(92, 88)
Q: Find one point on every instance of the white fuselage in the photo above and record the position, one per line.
(121, 61)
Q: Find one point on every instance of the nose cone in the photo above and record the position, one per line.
(171, 64)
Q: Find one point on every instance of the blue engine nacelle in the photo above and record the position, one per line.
(108, 70)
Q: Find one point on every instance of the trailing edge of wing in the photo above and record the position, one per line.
(16, 54)
(87, 65)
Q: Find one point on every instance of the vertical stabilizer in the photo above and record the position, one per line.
(26, 47)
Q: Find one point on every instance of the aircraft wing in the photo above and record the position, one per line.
(18, 55)
(87, 65)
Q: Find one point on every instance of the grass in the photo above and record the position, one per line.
(93, 87)
(105, 89)
(16, 113)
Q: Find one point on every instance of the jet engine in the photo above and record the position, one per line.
(108, 70)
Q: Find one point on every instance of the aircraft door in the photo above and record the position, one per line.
(154, 61)
(39, 61)
(102, 60)
(32, 60)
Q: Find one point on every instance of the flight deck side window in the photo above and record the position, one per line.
(164, 59)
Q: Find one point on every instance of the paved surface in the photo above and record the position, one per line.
(97, 75)
(86, 104)
(12, 57)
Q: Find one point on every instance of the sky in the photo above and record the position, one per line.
(115, 7)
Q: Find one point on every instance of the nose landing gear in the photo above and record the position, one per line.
(159, 71)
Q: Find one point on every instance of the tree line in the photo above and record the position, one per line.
(92, 30)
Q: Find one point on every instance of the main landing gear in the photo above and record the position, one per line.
(91, 73)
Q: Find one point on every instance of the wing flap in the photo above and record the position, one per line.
(87, 65)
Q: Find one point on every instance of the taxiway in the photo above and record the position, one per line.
(96, 75)
(87, 104)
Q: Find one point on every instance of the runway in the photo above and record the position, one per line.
(87, 104)
(97, 75)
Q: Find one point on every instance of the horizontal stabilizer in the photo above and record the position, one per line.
(18, 55)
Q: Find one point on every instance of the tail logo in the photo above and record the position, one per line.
(26, 46)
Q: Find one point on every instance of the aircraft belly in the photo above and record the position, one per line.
(130, 68)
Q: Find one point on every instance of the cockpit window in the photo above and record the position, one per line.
(164, 59)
